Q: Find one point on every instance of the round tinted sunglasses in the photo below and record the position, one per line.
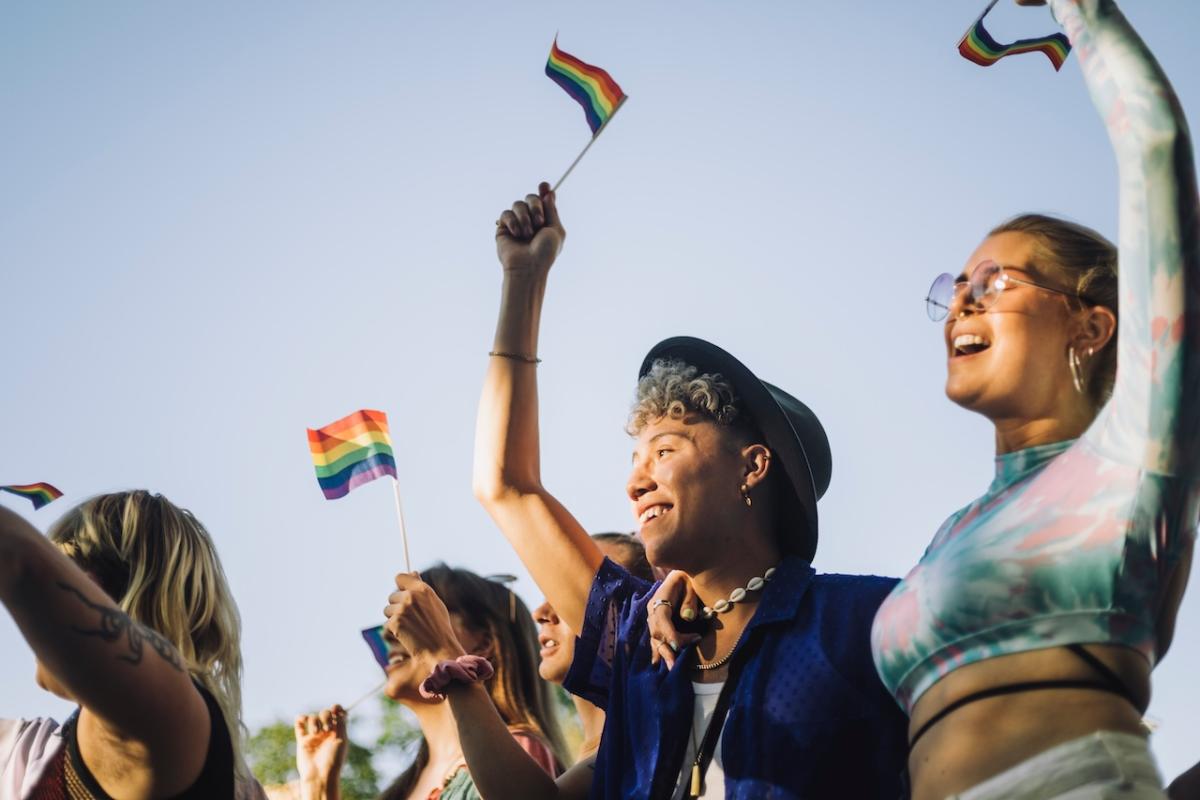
(982, 289)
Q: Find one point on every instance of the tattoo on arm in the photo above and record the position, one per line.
(115, 625)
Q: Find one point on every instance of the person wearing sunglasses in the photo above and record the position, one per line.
(500, 766)
(492, 629)
(1022, 643)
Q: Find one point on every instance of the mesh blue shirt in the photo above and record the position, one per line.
(809, 717)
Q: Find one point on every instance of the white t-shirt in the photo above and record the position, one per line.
(26, 747)
(703, 706)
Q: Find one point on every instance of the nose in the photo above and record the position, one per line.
(961, 303)
(640, 481)
(544, 614)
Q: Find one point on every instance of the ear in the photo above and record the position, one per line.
(1094, 327)
(756, 460)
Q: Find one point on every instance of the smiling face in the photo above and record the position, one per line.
(404, 674)
(684, 491)
(1010, 361)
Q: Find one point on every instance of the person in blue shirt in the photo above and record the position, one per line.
(777, 696)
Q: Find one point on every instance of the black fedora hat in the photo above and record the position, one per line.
(790, 428)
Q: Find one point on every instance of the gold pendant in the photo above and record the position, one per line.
(697, 781)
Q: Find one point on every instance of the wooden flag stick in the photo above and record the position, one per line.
(588, 146)
(990, 6)
(400, 517)
(369, 694)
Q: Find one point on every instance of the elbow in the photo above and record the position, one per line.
(494, 488)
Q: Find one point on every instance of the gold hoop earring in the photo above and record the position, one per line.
(1076, 365)
(746, 495)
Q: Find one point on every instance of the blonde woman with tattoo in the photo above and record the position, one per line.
(127, 609)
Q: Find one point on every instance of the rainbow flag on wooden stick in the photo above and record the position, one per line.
(977, 45)
(37, 493)
(592, 87)
(352, 451)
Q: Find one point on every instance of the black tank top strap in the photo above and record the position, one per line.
(1112, 684)
(215, 781)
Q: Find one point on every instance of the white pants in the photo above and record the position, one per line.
(1101, 766)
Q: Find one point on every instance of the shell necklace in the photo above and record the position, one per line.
(738, 595)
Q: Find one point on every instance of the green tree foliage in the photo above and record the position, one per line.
(271, 752)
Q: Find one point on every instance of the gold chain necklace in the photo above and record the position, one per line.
(723, 660)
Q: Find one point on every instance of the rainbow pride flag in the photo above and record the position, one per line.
(592, 87)
(382, 646)
(352, 451)
(977, 45)
(37, 493)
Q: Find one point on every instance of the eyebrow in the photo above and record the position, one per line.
(657, 436)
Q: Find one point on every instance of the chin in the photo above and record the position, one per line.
(967, 397)
(553, 672)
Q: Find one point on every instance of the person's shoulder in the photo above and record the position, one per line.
(866, 586)
(857, 595)
(16, 731)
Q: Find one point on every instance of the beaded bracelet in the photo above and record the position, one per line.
(515, 357)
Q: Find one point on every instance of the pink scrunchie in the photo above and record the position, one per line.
(464, 669)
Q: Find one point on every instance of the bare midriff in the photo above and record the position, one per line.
(987, 737)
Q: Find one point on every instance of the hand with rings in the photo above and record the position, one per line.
(665, 640)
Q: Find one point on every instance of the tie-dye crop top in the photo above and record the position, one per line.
(1074, 542)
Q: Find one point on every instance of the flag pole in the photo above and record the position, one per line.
(588, 146)
(360, 700)
(986, 11)
(400, 517)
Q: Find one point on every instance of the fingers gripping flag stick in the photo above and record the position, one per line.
(355, 450)
(37, 493)
(592, 88)
(977, 45)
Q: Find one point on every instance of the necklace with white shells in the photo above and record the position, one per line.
(738, 595)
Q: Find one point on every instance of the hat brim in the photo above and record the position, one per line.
(787, 448)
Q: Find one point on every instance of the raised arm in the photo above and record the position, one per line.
(1153, 413)
(500, 768)
(508, 482)
(143, 728)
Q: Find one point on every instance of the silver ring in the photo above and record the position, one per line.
(654, 606)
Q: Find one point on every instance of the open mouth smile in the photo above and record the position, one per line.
(969, 344)
(652, 513)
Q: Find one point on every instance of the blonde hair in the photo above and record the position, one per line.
(158, 563)
(1087, 263)
(674, 389)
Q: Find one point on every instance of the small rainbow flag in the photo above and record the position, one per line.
(592, 87)
(977, 45)
(37, 493)
(382, 646)
(352, 451)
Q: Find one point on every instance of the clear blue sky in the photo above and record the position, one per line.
(224, 222)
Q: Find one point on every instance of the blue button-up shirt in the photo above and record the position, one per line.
(809, 717)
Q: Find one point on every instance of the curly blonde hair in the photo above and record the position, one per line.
(159, 565)
(674, 389)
